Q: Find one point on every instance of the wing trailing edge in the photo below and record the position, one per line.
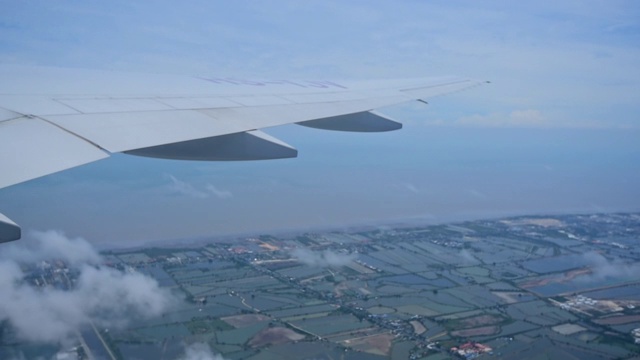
(33, 147)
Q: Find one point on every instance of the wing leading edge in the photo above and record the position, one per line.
(54, 119)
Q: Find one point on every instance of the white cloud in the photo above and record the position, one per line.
(603, 268)
(468, 257)
(477, 194)
(410, 187)
(186, 189)
(101, 295)
(199, 351)
(42, 245)
(516, 118)
(326, 258)
(221, 194)
(526, 118)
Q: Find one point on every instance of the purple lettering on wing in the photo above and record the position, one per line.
(250, 82)
(322, 84)
(283, 82)
(332, 84)
(220, 81)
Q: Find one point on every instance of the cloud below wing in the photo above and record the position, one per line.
(103, 296)
(199, 351)
(184, 188)
(326, 258)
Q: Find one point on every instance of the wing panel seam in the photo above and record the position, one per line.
(74, 134)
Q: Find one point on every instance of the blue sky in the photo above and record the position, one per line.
(558, 130)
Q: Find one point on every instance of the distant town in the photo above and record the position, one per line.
(562, 286)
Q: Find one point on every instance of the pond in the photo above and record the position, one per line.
(556, 264)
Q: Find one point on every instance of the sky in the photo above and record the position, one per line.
(556, 131)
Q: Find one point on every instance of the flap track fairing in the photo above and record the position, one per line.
(365, 121)
(250, 145)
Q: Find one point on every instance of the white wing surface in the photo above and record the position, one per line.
(52, 119)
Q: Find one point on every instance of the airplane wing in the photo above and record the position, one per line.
(52, 119)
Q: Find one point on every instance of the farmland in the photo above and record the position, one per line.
(553, 285)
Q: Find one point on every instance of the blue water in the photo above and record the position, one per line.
(556, 264)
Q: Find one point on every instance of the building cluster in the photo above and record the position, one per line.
(471, 350)
(448, 243)
(581, 300)
(636, 335)
(51, 273)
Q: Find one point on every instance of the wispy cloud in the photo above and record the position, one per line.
(468, 257)
(477, 194)
(326, 258)
(603, 268)
(101, 295)
(527, 118)
(410, 187)
(221, 194)
(184, 188)
(199, 351)
(516, 118)
(46, 245)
